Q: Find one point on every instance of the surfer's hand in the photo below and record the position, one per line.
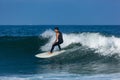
(53, 43)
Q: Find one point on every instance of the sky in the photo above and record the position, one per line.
(59, 12)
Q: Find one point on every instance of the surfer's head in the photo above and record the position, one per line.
(56, 29)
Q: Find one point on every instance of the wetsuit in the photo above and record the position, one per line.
(60, 41)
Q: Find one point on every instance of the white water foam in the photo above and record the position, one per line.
(63, 76)
(102, 44)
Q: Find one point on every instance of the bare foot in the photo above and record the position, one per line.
(49, 53)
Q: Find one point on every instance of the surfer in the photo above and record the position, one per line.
(58, 40)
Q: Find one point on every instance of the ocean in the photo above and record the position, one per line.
(92, 52)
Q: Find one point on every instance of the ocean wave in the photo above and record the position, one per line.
(80, 47)
(102, 44)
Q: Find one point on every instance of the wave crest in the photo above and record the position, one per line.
(101, 44)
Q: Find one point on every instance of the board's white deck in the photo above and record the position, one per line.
(47, 55)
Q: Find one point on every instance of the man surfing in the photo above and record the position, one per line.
(58, 40)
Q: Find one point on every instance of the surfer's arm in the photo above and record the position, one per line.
(56, 40)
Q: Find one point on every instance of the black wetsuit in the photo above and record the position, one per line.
(60, 41)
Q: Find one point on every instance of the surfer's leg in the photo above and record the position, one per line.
(60, 42)
(59, 46)
(53, 47)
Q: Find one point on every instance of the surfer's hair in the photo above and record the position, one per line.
(56, 28)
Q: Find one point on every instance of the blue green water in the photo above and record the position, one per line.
(92, 53)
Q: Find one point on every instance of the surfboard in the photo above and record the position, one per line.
(47, 55)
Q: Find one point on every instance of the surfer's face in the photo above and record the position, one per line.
(56, 30)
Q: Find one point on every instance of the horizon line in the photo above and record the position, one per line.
(60, 24)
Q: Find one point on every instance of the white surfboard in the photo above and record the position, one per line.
(47, 55)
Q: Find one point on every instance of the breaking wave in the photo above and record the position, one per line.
(104, 45)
